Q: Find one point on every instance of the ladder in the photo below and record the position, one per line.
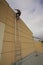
(17, 42)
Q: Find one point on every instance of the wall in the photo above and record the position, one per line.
(7, 18)
(16, 36)
(38, 46)
(2, 27)
(27, 41)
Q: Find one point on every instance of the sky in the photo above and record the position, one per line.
(32, 14)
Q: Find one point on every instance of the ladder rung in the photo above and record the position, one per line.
(18, 57)
(17, 46)
(18, 52)
(18, 49)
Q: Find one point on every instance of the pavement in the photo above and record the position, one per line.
(33, 59)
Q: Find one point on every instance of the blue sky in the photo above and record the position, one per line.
(32, 14)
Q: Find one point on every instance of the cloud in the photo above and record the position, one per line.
(32, 13)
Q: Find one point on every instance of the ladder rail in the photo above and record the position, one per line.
(17, 52)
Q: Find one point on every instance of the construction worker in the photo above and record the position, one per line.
(18, 13)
